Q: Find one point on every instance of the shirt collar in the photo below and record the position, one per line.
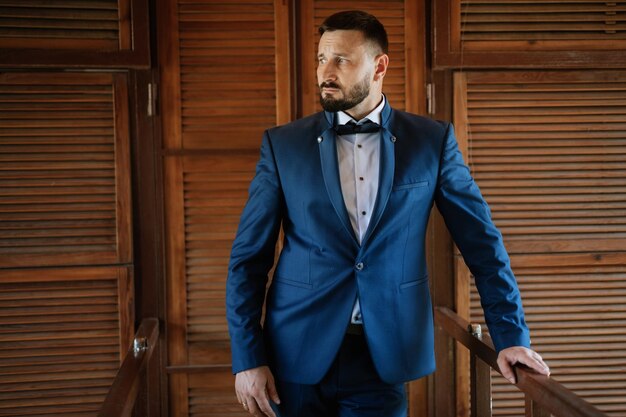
(373, 116)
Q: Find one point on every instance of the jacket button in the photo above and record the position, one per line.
(359, 266)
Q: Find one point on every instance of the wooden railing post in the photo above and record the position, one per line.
(533, 409)
(480, 380)
(480, 389)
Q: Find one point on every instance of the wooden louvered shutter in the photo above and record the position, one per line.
(63, 334)
(403, 84)
(548, 150)
(74, 32)
(226, 78)
(526, 32)
(214, 190)
(64, 201)
(65, 161)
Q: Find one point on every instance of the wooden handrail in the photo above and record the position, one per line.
(122, 395)
(543, 391)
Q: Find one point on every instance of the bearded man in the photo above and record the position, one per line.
(348, 317)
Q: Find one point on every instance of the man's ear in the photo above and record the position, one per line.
(381, 63)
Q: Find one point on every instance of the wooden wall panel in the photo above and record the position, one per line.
(227, 73)
(548, 150)
(64, 201)
(65, 173)
(226, 78)
(62, 336)
(487, 33)
(215, 191)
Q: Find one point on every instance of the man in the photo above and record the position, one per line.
(348, 314)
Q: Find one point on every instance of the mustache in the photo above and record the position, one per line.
(329, 85)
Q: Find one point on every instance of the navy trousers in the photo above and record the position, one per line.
(351, 388)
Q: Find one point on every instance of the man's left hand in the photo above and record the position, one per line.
(519, 354)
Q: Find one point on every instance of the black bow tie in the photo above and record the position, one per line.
(352, 128)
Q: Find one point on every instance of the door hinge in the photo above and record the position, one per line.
(152, 97)
(430, 98)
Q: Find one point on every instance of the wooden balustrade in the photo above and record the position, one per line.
(130, 378)
(544, 396)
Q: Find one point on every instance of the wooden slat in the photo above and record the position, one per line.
(64, 174)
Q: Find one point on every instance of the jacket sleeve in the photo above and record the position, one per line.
(468, 219)
(252, 257)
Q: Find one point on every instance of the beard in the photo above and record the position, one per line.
(351, 98)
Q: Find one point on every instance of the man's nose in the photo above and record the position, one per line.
(328, 73)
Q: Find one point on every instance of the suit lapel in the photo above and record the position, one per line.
(330, 172)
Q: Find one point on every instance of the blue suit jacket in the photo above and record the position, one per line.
(322, 268)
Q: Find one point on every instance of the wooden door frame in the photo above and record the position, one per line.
(149, 231)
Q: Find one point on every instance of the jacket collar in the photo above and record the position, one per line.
(385, 116)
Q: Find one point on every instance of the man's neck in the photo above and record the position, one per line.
(365, 107)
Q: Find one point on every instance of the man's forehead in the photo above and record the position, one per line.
(341, 42)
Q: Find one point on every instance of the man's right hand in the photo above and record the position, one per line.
(255, 388)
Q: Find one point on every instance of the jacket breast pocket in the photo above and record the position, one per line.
(413, 283)
(410, 185)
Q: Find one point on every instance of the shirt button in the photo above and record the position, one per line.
(359, 266)
(359, 146)
(361, 178)
(363, 213)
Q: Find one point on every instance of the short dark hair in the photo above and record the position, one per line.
(367, 24)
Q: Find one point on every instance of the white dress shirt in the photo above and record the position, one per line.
(359, 165)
